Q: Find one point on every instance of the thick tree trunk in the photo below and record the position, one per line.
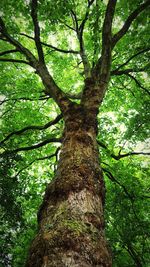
(71, 223)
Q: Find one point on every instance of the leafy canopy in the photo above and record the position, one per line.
(32, 124)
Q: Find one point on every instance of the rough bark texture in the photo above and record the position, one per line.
(71, 223)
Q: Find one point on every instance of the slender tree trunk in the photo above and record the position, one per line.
(71, 223)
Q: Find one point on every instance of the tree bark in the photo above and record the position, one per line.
(71, 223)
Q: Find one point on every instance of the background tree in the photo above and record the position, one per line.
(56, 62)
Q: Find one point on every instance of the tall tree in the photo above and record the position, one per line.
(69, 53)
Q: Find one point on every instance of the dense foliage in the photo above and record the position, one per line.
(31, 124)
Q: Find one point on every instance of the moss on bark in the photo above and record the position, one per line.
(71, 223)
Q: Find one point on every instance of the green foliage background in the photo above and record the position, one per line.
(123, 125)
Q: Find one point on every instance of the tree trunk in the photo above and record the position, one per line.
(71, 223)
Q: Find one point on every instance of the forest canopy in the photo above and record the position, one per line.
(32, 122)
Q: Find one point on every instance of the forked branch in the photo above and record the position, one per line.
(96, 86)
(79, 31)
(51, 87)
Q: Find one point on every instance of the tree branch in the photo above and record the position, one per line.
(68, 26)
(135, 55)
(120, 156)
(8, 52)
(138, 83)
(102, 68)
(23, 99)
(133, 253)
(86, 64)
(41, 144)
(107, 38)
(30, 57)
(128, 22)
(96, 35)
(15, 60)
(37, 159)
(131, 197)
(126, 71)
(81, 27)
(51, 87)
(34, 6)
(79, 31)
(75, 20)
(51, 46)
(96, 86)
(83, 55)
(42, 98)
(113, 179)
(32, 127)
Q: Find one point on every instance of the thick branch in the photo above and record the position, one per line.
(107, 39)
(52, 89)
(96, 86)
(96, 35)
(102, 68)
(32, 127)
(128, 22)
(34, 7)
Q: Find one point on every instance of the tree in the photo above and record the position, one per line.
(76, 57)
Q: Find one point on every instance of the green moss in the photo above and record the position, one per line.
(76, 226)
(49, 226)
(61, 211)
